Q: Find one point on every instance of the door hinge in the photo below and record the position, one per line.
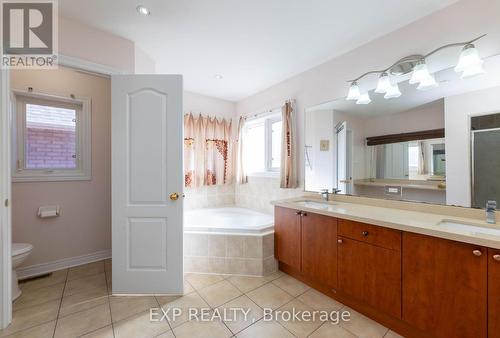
(6, 203)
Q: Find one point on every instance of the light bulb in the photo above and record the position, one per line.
(393, 92)
(384, 83)
(473, 71)
(420, 73)
(354, 92)
(364, 99)
(428, 83)
(468, 58)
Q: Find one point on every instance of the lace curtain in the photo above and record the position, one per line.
(207, 151)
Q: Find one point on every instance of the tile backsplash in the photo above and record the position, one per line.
(257, 194)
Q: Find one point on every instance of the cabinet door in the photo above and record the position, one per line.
(287, 236)
(371, 274)
(493, 293)
(319, 248)
(444, 286)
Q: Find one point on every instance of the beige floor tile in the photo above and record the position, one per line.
(299, 328)
(219, 293)
(105, 332)
(200, 281)
(273, 276)
(184, 303)
(123, 307)
(55, 277)
(86, 270)
(392, 334)
(265, 329)
(362, 326)
(291, 285)
(269, 296)
(188, 288)
(32, 316)
(82, 301)
(41, 331)
(164, 300)
(246, 284)
(168, 334)
(237, 320)
(108, 266)
(319, 301)
(198, 329)
(38, 296)
(329, 330)
(83, 322)
(140, 326)
(91, 283)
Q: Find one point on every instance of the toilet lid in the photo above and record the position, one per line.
(20, 248)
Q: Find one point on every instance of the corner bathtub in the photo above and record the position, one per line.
(229, 240)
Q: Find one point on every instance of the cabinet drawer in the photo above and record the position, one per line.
(372, 234)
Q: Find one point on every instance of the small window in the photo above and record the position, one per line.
(262, 145)
(52, 138)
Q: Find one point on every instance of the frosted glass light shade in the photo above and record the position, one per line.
(469, 58)
(364, 99)
(393, 92)
(428, 83)
(473, 71)
(420, 73)
(384, 84)
(354, 92)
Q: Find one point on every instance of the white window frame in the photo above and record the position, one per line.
(267, 121)
(83, 170)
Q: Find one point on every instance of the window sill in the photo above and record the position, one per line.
(31, 176)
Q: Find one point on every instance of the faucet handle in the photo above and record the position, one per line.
(491, 205)
(323, 191)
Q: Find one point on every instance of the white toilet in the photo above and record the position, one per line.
(20, 251)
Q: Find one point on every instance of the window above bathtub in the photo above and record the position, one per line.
(262, 145)
(51, 138)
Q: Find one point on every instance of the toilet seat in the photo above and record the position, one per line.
(21, 248)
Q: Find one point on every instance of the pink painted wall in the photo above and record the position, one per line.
(84, 226)
(459, 22)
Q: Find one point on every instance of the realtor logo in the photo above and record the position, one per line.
(29, 34)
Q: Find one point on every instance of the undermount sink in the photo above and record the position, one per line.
(477, 229)
(313, 204)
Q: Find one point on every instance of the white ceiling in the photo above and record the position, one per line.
(253, 44)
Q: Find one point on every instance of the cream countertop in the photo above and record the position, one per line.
(405, 220)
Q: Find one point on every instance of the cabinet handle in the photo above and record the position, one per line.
(299, 213)
(340, 241)
(303, 214)
(365, 233)
(496, 257)
(477, 253)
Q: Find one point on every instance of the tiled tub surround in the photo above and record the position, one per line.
(234, 254)
(209, 196)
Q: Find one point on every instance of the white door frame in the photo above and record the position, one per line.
(5, 180)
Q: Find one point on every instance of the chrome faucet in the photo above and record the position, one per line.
(324, 194)
(490, 211)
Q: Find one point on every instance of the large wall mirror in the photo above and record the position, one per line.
(440, 145)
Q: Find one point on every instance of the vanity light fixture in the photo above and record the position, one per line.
(364, 99)
(354, 92)
(142, 10)
(384, 83)
(469, 63)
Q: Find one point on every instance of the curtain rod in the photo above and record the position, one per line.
(267, 112)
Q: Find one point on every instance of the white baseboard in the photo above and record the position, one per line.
(43, 268)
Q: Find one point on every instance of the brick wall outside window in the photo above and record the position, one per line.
(50, 148)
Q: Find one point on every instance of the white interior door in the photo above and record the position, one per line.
(147, 167)
(5, 203)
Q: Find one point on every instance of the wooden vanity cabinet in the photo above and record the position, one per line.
(369, 265)
(444, 286)
(493, 293)
(319, 248)
(287, 237)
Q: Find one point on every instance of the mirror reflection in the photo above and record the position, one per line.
(439, 145)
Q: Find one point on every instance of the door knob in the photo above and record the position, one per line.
(496, 257)
(174, 196)
(477, 252)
